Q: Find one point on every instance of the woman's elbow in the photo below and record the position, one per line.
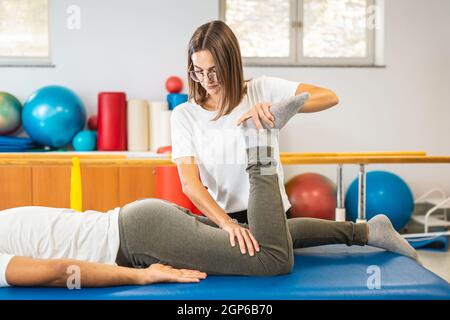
(186, 187)
(334, 99)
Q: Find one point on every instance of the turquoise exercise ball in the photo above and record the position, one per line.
(53, 115)
(10, 113)
(85, 140)
(386, 193)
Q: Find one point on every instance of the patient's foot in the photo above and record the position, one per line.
(383, 235)
(282, 111)
(260, 144)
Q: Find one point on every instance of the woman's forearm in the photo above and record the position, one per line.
(201, 198)
(65, 273)
(320, 98)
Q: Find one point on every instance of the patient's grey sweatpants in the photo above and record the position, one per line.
(156, 231)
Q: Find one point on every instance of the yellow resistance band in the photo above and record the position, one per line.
(76, 200)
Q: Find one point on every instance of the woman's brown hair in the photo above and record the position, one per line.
(220, 40)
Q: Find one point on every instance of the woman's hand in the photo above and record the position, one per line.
(244, 236)
(258, 112)
(161, 273)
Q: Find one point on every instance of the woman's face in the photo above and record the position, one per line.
(205, 70)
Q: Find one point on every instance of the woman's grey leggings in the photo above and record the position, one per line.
(156, 231)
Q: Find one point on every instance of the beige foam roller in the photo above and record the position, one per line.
(156, 108)
(164, 129)
(137, 125)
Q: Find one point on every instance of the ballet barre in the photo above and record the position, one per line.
(341, 159)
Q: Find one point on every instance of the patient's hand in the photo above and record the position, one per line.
(162, 273)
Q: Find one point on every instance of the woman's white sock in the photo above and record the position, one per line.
(383, 235)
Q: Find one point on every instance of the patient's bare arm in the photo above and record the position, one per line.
(23, 271)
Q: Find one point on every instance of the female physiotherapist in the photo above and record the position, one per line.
(209, 153)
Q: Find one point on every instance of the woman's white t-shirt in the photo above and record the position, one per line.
(218, 146)
(57, 233)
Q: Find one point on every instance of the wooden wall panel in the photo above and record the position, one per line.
(104, 188)
(51, 186)
(100, 187)
(15, 187)
(136, 183)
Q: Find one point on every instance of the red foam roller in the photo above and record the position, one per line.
(112, 121)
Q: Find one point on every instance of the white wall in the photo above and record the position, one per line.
(134, 45)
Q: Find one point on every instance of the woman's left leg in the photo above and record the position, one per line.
(310, 232)
(154, 231)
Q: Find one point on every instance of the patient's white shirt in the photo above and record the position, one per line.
(57, 233)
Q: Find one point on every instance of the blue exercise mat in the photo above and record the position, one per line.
(16, 144)
(434, 243)
(14, 141)
(329, 272)
(15, 149)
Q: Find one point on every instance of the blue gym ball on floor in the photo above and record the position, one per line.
(386, 193)
(53, 115)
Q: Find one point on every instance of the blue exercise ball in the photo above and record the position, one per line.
(53, 115)
(386, 193)
(85, 140)
(10, 114)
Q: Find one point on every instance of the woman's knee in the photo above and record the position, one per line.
(279, 264)
(279, 269)
(286, 266)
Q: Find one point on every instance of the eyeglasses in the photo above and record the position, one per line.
(199, 76)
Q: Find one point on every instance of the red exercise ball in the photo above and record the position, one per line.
(174, 84)
(312, 196)
(92, 122)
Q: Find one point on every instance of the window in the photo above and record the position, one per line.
(24, 32)
(305, 32)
